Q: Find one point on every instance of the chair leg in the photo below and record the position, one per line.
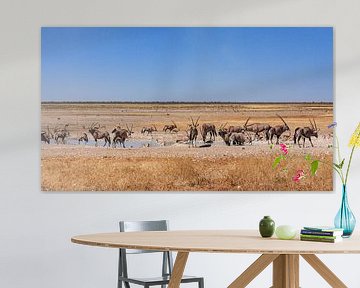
(201, 283)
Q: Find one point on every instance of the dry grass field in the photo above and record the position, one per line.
(169, 166)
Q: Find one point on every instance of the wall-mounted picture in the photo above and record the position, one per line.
(187, 109)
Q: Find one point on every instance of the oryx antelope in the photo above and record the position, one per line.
(208, 128)
(277, 130)
(236, 129)
(235, 138)
(61, 134)
(222, 132)
(97, 134)
(46, 136)
(257, 128)
(193, 131)
(121, 134)
(148, 130)
(306, 133)
(83, 137)
(171, 127)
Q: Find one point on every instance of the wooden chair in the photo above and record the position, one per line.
(167, 262)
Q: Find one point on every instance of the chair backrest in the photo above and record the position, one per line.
(137, 226)
(134, 226)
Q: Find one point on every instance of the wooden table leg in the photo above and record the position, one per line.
(286, 271)
(324, 271)
(253, 270)
(178, 269)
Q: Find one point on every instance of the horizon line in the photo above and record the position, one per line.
(186, 102)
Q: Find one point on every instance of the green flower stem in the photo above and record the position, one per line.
(340, 171)
(338, 149)
(336, 169)
(348, 167)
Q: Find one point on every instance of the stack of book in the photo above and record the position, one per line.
(321, 234)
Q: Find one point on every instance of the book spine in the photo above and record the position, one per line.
(317, 239)
(319, 233)
(319, 236)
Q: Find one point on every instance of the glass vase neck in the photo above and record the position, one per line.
(344, 193)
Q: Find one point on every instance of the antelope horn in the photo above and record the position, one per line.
(192, 120)
(246, 122)
(315, 124)
(95, 125)
(197, 120)
(281, 119)
(312, 125)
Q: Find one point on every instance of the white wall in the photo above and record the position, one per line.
(35, 227)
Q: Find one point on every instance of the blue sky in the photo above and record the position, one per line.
(254, 64)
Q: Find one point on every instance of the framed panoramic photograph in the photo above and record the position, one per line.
(186, 108)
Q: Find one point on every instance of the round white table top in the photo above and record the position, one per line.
(219, 241)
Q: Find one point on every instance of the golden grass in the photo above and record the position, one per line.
(181, 174)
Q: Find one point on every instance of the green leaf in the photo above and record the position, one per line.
(339, 166)
(308, 157)
(277, 161)
(342, 163)
(314, 167)
(336, 167)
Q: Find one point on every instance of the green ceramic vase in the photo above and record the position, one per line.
(267, 227)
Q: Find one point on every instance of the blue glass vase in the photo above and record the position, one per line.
(345, 219)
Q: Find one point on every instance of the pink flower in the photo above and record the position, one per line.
(299, 175)
(284, 149)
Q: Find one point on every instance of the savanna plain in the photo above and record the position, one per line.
(165, 161)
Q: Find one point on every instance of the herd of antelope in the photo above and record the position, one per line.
(231, 135)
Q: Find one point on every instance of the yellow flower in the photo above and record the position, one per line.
(355, 138)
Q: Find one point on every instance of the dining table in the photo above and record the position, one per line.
(282, 254)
